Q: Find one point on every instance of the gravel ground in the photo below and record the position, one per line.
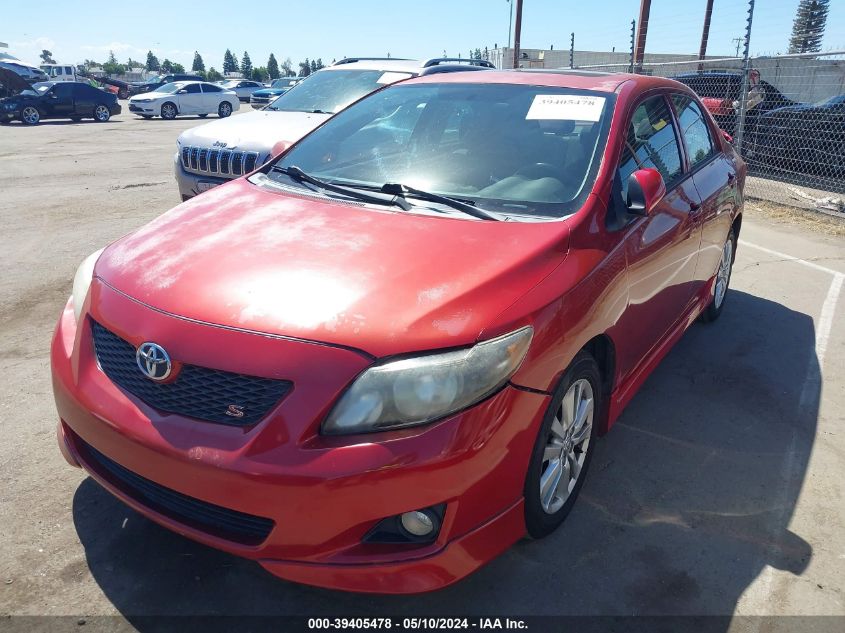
(720, 491)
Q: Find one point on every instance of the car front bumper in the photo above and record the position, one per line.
(143, 108)
(322, 494)
(191, 184)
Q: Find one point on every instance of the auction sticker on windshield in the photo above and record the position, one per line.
(566, 108)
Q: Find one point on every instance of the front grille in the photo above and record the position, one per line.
(222, 163)
(208, 517)
(197, 392)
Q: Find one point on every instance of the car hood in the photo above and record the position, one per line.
(12, 81)
(151, 95)
(375, 279)
(258, 130)
(269, 92)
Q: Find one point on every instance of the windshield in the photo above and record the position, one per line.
(509, 148)
(170, 88)
(154, 80)
(281, 83)
(232, 83)
(332, 90)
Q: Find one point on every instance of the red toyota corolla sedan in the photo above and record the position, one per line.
(382, 358)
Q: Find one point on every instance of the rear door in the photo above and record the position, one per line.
(714, 175)
(662, 248)
(211, 95)
(86, 97)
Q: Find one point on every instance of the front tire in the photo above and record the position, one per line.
(30, 115)
(101, 113)
(168, 111)
(224, 110)
(723, 279)
(564, 447)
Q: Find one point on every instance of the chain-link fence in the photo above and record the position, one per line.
(785, 112)
(791, 128)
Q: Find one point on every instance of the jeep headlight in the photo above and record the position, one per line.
(422, 389)
(82, 281)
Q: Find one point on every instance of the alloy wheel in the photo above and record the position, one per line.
(225, 109)
(566, 446)
(724, 274)
(101, 113)
(30, 115)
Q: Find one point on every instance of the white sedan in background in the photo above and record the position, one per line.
(243, 87)
(185, 97)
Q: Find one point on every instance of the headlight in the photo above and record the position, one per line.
(141, 100)
(82, 281)
(418, 390)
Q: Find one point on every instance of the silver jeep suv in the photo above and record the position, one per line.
(214, 153)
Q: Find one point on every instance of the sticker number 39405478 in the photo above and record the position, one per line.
(566, 108)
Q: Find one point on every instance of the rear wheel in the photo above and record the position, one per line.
(723, 279)
(168, 111)
(224, 110)
(101, 113)
(563, 448)
(123, 93)
(30, 115)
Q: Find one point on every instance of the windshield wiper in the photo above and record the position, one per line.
(297, 174)
(398, 189)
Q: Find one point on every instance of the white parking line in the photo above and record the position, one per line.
(825, 320)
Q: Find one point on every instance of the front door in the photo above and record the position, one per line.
(661, 249)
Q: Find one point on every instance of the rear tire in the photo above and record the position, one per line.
(30, 115)
(123, 94)
(564, 446)
(723, 279)
(101, 113)
(224, 110)
(168, 111)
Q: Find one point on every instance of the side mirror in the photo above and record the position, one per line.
(279, 148)
(182, 92)
(645, 189)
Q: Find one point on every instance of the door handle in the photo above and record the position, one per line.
(731, 177)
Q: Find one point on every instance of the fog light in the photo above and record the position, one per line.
(417, 523)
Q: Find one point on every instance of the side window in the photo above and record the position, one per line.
(210, 88)
(63, 90)
(651, 141)
(68, 70)
(192, 89)
(696, 133)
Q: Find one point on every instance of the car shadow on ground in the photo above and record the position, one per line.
(688, 500)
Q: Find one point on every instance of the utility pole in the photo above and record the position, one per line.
(645, 9)
(517, 33)
(738, 42)
(746, 73)
(705, 33)
(510, 20)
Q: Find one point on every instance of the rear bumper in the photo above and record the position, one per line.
(323, 495)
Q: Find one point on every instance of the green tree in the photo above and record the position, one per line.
(177, 68)
(152, 62)
(131, 63)
(167, 66)
(246, 66)
(47, 57)
(273, 67)
(313, 66)
(260, 74)
(287, 68)
(808, 27)
(198, 65)
(304, 68)
(320, 64)
(213, 75)
(112, 67)
(230, 64)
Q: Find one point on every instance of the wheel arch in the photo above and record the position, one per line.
(603, 350)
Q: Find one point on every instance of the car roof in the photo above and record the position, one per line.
(577, 79)
(414, 66)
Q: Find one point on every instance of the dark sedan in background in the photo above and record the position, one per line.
(65, 100)
(808, 138)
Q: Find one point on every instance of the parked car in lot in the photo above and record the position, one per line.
(64, 100)
(280, 86)
(185, 97)
(806, 138)
(212, 154)
(720, 93)
(27, 71)
(242, 87)
(153, 83)
(387, 355)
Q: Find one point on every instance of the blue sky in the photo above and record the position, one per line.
(333, 28)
